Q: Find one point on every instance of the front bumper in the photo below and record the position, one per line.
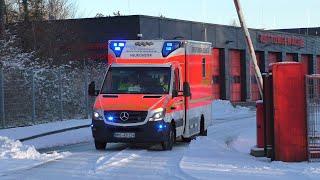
(147, 133)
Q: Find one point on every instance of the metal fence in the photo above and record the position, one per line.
(31, 97)
(313, 116)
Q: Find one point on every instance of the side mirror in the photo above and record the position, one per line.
(175, 93)
(92, 89)
(186, 89)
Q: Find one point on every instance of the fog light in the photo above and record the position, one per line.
(96, 114)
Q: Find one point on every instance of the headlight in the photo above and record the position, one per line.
(97, 115)
(158, 114)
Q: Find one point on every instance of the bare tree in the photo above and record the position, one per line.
(20, 10)
(60, 9)
(117, 13)
(13, 11)
(234, 22)
(99, 15)
(25, 10)
(2, 19)
(37, 9)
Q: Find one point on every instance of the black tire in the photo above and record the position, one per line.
(168, 144)
(100, 145)
(186, 140)
(203, 132)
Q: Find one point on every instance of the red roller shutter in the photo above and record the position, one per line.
(290, 57)
(235, 75)
(255, 95)
(305, 60)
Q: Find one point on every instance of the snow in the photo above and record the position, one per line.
(16, 156)
(223, 154)
(23, 132)
(224, 109)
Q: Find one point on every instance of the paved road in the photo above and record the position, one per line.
(118, 161)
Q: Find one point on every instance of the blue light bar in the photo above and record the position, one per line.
(117, 47)
(169, 47)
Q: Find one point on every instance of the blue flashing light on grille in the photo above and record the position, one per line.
(161, 127)
(117, 47)
(169, 47)
(110, 118)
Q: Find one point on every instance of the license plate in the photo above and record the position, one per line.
(124, 135)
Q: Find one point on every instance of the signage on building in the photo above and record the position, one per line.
(281, 40)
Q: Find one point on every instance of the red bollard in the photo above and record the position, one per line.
(260, 124)
(290, 124)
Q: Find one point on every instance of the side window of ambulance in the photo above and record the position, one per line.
(204, 68)
(176, 82)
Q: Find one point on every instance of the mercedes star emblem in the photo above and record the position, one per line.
(124, 116)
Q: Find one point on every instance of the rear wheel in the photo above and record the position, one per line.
(203, 132)
(100, 145)
(187, 140)
(168, 144)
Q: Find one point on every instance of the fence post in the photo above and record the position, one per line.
(86, 92)
(60, 93)
(2, 112)
(33, 99)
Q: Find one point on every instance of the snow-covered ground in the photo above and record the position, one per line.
(223, 154)
(15, 156)
(70, 137)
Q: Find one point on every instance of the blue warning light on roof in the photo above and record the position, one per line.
(169, 47)
(117, 47)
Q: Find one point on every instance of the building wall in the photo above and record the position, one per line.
(87, 38)
(229, 38)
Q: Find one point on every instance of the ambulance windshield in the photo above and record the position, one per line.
(137, 80)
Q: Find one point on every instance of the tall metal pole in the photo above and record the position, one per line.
(2, 111)
(2, 19)
(250, 45)
(33, 98)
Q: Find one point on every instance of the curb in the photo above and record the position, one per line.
(53, 132)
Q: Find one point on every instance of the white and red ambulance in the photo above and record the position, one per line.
(154, 91)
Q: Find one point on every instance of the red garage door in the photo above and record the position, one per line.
(216, 73)
(273, 57)
(306, 60)
(290, 57)
(255, 95)
(235, 75)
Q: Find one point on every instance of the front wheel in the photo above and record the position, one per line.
(100, 145)
(168, 144)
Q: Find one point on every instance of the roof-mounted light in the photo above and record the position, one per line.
(117, 47)
(169, 47)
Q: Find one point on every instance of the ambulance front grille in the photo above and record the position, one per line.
(134, 116)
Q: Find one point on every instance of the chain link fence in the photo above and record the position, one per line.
(31, 97)
(313, 116)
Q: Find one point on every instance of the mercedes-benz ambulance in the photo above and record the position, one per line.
(154, 91)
